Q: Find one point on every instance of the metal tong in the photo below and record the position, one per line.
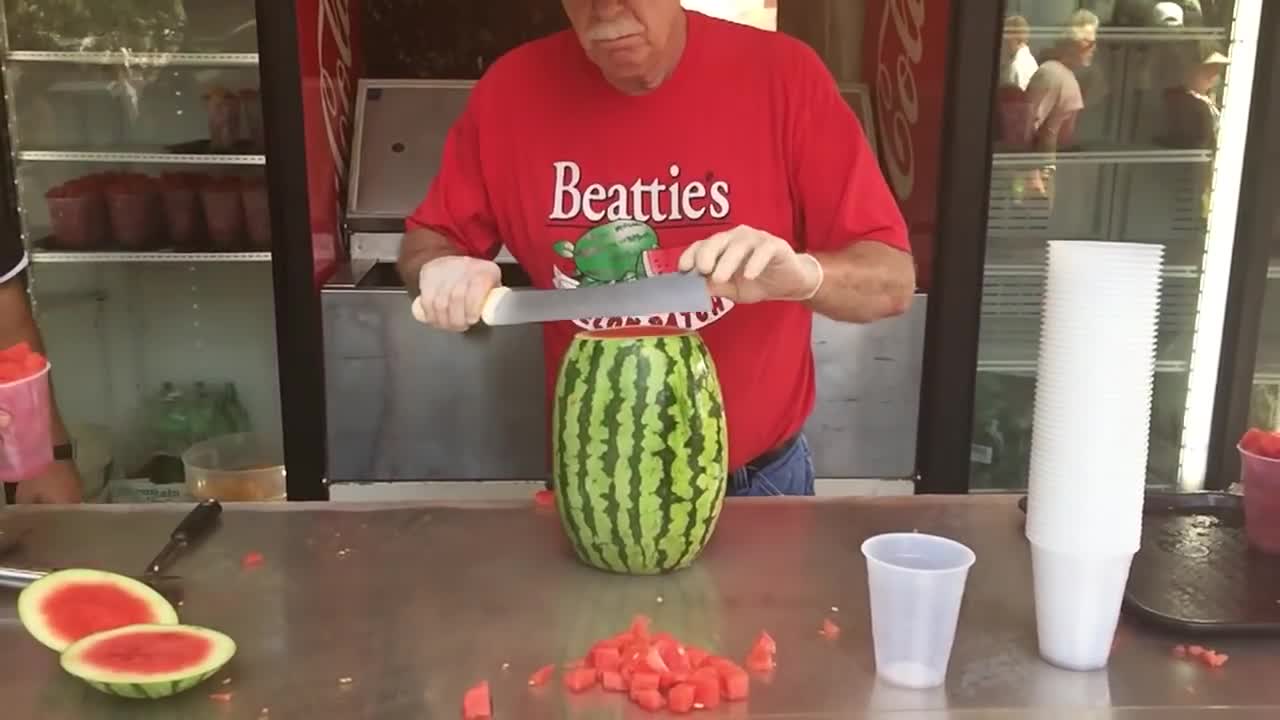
(194, 527)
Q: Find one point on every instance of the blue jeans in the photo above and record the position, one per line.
(791, 473)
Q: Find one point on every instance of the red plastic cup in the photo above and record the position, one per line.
(224, 212)
(184, 221)
(257, 212)
(26, 440)
(1261, 479)
(78, 215)
(132, 203)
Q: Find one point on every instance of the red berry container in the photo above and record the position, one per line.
(133, 204)
(257, 211)
(223, 212)
(183, 215)
(223, 109)
(78, 214)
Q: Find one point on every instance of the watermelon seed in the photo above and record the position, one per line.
(506, 666)
(344, 681)
(835, 609)
(226, 681)
(343, 552)
(660, 600)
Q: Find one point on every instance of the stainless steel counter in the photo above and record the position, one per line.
(384, 612)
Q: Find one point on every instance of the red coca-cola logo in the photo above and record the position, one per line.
(897, 58)
(333, 41)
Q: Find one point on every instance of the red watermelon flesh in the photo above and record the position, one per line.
(65, 606)
(660, 261)
(81, 609)
(149, 653)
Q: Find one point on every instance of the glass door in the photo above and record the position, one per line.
(1120, 122)
(136, 140)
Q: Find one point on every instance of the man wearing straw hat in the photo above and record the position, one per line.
(60, 483)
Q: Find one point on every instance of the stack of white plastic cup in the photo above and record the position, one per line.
(1090, 441)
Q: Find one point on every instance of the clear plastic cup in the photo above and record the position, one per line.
(1078, 596)
(916, 583)
(1260, 477)
(26, 444)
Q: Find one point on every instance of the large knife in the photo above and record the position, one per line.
(667, 293)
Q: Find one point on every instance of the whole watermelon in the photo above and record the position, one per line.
(639, 448)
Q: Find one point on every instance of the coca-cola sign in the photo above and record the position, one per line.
(908, 52)
(329, 57)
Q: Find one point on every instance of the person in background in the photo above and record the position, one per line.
(651, 127)
(1017, 63)
(1055, 96)
(60, 483)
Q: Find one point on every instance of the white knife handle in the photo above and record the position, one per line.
(490, 309)
(487, 313)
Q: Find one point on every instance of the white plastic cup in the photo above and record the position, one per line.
(916, 582)
(1077, 598)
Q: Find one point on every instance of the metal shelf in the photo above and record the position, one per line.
(1149, 156)
(156, 158)
(159, 256)
(132, 58)
(1136, 34)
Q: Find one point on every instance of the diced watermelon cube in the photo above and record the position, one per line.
(476, 703)
(760, 660)
(645, 681)
(606, 658)
(650, 700)
(653, 661)
(680, 699)
(735, 685)
(541, 676)
(612, 681)
(677, 659)
(580, 679)
(706, 683)
(766, 643)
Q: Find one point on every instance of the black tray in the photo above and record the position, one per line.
(1195, 571)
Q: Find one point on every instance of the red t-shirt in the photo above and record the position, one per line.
(585, 184)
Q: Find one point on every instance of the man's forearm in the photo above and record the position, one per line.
(17, 325)
(419, 247)
(866, 282)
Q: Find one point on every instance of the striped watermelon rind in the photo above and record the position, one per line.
(94, 600)
(122, 681)
(640, 448)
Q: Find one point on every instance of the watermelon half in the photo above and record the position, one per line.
(640, 448)
(65, 606)
(148, 662)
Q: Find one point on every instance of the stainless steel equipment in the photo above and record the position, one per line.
(391, 611)
(406, 403)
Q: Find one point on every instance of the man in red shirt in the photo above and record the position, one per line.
(651, 139)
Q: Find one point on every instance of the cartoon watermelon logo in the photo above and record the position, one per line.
(608, 253)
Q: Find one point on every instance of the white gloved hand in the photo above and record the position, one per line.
(452, 291)
(747, 265)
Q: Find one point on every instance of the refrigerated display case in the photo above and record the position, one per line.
(1152, 104)
(138, 181)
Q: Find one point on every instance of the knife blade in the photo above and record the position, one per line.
(667, 293)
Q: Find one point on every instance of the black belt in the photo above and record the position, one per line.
(769, 457)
